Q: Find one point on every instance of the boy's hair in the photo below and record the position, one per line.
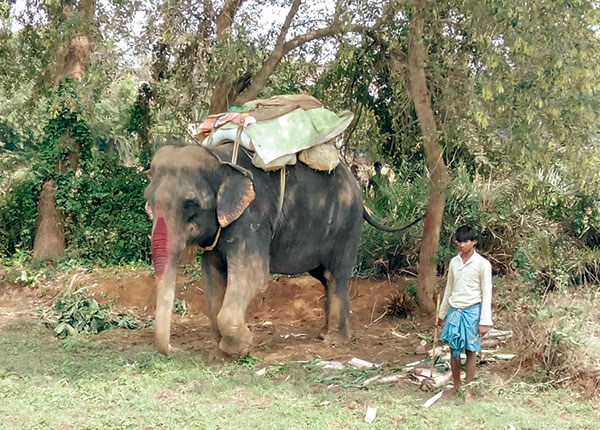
(464, 233)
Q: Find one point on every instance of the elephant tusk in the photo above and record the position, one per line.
(211, 247)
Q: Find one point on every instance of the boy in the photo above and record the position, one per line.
(466, 306)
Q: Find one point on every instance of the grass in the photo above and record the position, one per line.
(109, 382)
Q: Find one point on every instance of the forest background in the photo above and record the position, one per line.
(483, 112)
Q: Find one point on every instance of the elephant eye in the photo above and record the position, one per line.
(190, 206)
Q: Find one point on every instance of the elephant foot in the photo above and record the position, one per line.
(334, 337)
(235, 346)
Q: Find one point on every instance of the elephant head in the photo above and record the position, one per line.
(192, 196)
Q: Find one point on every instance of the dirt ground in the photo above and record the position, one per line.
(285, 319)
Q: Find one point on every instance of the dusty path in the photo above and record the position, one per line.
(285, 319)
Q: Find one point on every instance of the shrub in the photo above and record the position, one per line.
(18, 207)
(104, 213)
(555, 337)
(396, 203)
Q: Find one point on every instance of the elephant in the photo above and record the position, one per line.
(233, 212)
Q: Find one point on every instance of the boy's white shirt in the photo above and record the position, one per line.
(469, 283)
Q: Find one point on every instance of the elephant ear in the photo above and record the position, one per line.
(235, 194)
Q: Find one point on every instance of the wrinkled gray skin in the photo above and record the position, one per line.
(194, 190)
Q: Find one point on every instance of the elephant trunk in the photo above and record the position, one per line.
(165, 264)
(165, 295)
(159, 247)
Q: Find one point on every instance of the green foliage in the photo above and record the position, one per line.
(102, 200)
(19, 189)
(288, 78)
(555, 334)
(104, 212)
(19, 270)
(77, 312)
(140, 120)
(396, 203)
(385, 124)
(66, 131)
(80, 314)
(109, 119)
(248, 361)
(21, 119)
(180, 306)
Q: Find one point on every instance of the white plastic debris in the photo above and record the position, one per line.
(499, 334)
(361, 364)
(331, 365)
(370, 415)
(261, 372)
(401, 336)
(391, 378)
(431, 381)
(504, 356)
(432, 400)
(287, 336)
(370, 380)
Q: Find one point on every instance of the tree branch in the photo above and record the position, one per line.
(225, 17)
(260, 80)
(281, 49)
(288, 22)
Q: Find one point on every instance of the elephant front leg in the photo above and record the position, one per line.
(245, 278)
(214, 278)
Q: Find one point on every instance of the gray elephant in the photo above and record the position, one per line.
(233, 211)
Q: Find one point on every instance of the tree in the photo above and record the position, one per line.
(438, 174)
(502, 89)
(69, 59)
(222, 54)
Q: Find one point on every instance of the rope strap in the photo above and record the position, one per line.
(236, 144)
(211, 247)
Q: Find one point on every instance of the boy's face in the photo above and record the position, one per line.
(465, 247)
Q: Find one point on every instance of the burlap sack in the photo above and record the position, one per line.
(321, 157)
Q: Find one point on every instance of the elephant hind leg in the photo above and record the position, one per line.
(337, 305)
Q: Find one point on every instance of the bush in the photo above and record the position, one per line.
(104, 212)
(19, 191)
(396, 203)
(554, 336)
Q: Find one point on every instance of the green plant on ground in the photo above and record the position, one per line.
(77, 312)
(180, 306)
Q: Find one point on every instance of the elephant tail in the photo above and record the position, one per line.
(369, 218)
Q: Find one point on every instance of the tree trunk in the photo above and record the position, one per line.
(49, 240)
(222, 95)
(438, 174)
(223, 92)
